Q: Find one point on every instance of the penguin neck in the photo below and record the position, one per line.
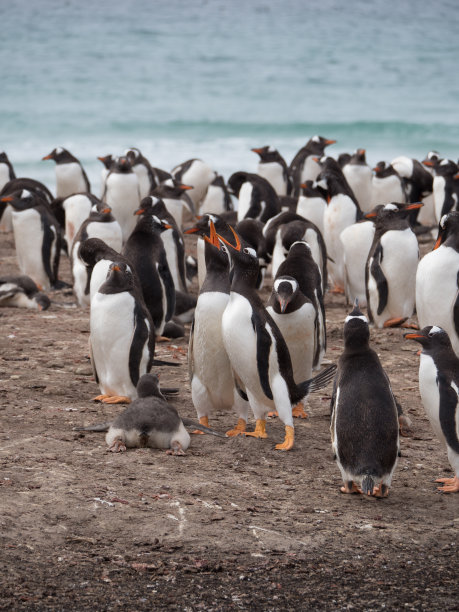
(217, 278)
(244, 279)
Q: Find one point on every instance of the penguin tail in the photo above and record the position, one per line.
(161, 362)
(100, 427)
(199, 427)
(368, 485)
(318, 382)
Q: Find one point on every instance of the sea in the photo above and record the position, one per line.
(212, 79)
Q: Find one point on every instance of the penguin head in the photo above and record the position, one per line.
(431, 159)
(356, 329)
(309, 190)
(120, 276)
(385, 213)
(358, 157)
(121, 164)
(202, 225)
(242, 254)
(134, 155)
(147, 204)
(317, 144)
(268, 154)
(93, 250)
(148, 386)
(285, 288)
(449, 225)
(22, 199)
(431, 338)
(446, 167)
(42, 300)
(107, 160)
(60, 156)
(344, 158)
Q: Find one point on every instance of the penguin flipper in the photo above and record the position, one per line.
(380, 279)
(456, 309)
(264, 342)
(140, 337)
(93, 364)
(190, 352)
(447, 414)
(165, 274)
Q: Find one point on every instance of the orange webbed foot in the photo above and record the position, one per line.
(175, 449)
(117, 446)
(298, 411)
(451, 485)
(260, 430)
(204, 420)
(238, 430)
(289, 439)
(350, 487)
(381, 491)
(273, 413)
(117, 399)
(395, 322)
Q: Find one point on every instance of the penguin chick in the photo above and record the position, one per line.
(439, 388)
(364, 421)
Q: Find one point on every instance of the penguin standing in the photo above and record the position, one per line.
(142, 168)
(387, 185)
(37, 237)
(70, 174)
(439, 385)
(145, 250)
(437, 299)
(22, 292)
(77, 208)
(107, 161)
(257, 350)
(312, 205)
(196, 173)
(364, 420)
(121, 336)
(304, 166)
(273, 167)
(359, 176)
(212, 381)
(391, 267)
(6, 175)
(100, 224)
(122, 194)
(217, 199)
(251, 230)
(176, 199)
(256, 196)
(418, 183)
(445, 186)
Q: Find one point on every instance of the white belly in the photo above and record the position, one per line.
(77, 209)
(438, 195)
(69, 179)
(110, 233)
(313, 210)
(356, 240)
(28, 238)
(274, 174)
(386, 190)
(80, 276)
(122, 195)
(245, 196)
(340, 213)
(429, 393)
(360, 178)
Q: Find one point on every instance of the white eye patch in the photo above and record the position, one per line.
(361, 317)
(291, 282)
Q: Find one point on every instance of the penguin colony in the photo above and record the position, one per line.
(319, 224)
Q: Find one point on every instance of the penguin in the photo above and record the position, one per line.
(176, 199)
(258, 352)
(6, 174)
(390, 276)
(418, 183)
(296, 317)
(364, 418)
(77, 208)
(142, 168)
(439, 388)
(303, 166)
(437, 281)
(100, 224)
(251, 230)
(445, 186)
(342, 210)
(311, 205)
(217, 199)
(387, 185)
(107, 161)
(122, 340)
(122, 194)
(22, 292)
(256, 196)
(98, 257)
(196, 173)
(211, 376)
(273, 167)
(300, 265)
(145, 250)
(288, 204)
(359, 177)
(37, 237)
(149, 421)
(29, 184)
(70, 175)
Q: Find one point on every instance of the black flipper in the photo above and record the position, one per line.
(264, 342)
(166, 276)
(448, 407)
(456, 309)
(140, 337)
(380, 279)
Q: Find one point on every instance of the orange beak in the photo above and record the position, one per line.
(185, 187)
(7, 199)
(213, 238)
(414, 206)
(330, 142)
(50, 156)
(237, 246)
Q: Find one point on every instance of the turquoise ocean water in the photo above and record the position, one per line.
(211, 79)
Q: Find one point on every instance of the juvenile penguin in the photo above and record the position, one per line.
(258, 352)
(22, 292)
(391, 267)
(304, 166)
(437, 299)
(273, 167)
(198, 175)
(70, 174)
(359, 176)
(37, 237)
(439, 388)
(122, 194)
(387, 185)
(211, 376)
(364, 420)
(217, 199)
(122, 340)
(257, 197)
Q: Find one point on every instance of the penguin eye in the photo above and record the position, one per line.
(249, 251)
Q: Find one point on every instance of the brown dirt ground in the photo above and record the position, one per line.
(232, 525)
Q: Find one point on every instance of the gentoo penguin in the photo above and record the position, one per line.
(437, 301)
(418, 183)
(300, 265)
(217, 199)
(149, 421)
(6, 175)
(70, 175)
(296, 317)
(342, 210)
(122, 194)
(77, 208)
(392, 262)
(145, 250)
(343, 159)
(211, 376)
(311, 204)
(303, 166)
(251, 230)
(439, 388)
(121, 336)
(98, 257)
(176, 199)
(37, 237)
(273, 167)
(258, 352)
(387, 185)
(445, 186)
(359, 177)
(142, 167)
(256, 196)
(22, 292)
(196, 173)
(100, 224)
(364, 420)
(107, 161)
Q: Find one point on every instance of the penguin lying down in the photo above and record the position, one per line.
(149, 421)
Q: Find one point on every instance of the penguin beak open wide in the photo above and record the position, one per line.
(213, 237)
(237, 246)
